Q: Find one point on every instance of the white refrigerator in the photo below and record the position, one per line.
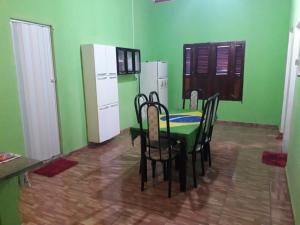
(154, 77)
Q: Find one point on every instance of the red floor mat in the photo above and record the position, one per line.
(55, 167)
(274, 158)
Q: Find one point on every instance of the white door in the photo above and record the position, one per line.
(36, 82)
(290, 91)
(109, 125)
(287, 81)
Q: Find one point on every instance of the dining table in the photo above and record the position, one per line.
(184, 125)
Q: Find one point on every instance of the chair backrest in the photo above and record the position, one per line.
(138, 101)
(204, 124)
(154, 97)
(195, 96)
(151, 132)
(215, 105)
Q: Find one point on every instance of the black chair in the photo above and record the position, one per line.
(154, 97)
(138, 101)
(215, 104)
(199, 145)
(194, 97)
(156, 146)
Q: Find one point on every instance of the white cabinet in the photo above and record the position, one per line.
(101, 92)
(107, 131)
(100, 59)
(112, 62)
(107, 89)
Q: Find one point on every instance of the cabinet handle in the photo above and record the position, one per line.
(101, 74)
(112, 77)
(112, 74)
(102, 78)
(114, 105)
(104, 108)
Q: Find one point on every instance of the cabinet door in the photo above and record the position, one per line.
(107, 89)
(111, 60)
(109, 124)
(129, 61)
(100, 59)
(121, 60)
(137, 61)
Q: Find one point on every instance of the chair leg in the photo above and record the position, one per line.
(165, 169)
(142, 167)
(202, 163)
(140, 170)
(194, 169)
(170, 177)
(177, 162)
(205, 157)
(153, 164)
(209, 154)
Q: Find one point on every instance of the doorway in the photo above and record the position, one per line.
(289, 89)
(37, 88)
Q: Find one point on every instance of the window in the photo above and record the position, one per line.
(215, 67)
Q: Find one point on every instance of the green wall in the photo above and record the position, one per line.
(160, 34)
(75, 22)
(293, 167)
(9, 204)
(263, 24)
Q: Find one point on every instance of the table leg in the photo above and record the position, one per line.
(182, 170)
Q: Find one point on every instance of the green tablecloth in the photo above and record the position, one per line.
(188, 132)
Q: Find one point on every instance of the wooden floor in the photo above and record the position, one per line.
(104, 188)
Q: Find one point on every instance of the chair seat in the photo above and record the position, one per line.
(155, 153)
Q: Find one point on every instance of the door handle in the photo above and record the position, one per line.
(102, 78)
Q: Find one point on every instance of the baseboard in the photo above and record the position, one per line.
(243, 124)
(125, 131)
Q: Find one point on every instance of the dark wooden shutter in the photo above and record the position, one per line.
(238, 71)
(222, 59)
(201, 77)
(214, 67)
(221, 75)
(187, 68)
(202, 63)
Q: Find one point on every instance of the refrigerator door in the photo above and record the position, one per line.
(148, 77)
(107, 89)
(162, 69)
(109, 125)
(163, 91)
